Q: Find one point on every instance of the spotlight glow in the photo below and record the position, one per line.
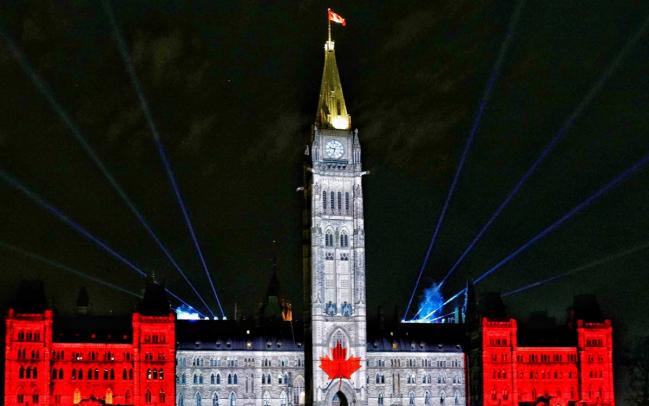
(184, 312)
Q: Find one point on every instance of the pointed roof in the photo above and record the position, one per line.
(273, 285)
(154, 301)
(332, 111)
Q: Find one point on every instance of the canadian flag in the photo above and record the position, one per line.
(336, 18)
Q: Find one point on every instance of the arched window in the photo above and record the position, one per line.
(329, 239)
(340, 201)
(198, 399)
(324, 200)
(21, 373)
(195, 379)
(234, 379)
(147, 396)
(212, 379)
(233, 399)
(108, 399)
(266, 400)
(61, 373)
(229, 379)
(153, 374)
(162, 396)
(427, 398)
(332, 201)
(183, 379)
(411, 398)
(112, 374)
(456, 395)
(380, 400)
(344, 239)
(124, 374)
(442, 397)
(127, 397)
(35, 373)
(283, 399)
(181, 400)
(215, 399)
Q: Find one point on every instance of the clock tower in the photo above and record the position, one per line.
(334, 229)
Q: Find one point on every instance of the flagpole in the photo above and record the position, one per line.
(328, 25)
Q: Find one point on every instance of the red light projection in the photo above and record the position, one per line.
(556, 376)
(137, 370)
(339, 366)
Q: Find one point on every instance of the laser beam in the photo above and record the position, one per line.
(16, 184)
(78, 136)
(568, 123)
(585, 203)
(124, 52)
(581, 268)
(495, 72)
(58, 265)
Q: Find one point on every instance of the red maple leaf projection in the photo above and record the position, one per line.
(339, 366)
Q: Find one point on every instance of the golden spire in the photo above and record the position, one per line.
(332, 111)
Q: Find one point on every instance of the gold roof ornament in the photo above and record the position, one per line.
(332, 111)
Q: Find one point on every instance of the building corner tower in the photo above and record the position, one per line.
(335, 260)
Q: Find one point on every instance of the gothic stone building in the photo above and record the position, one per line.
(227, 363)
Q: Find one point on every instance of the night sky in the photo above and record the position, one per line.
(233, 89)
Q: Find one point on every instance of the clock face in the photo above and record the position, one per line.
(334, 149)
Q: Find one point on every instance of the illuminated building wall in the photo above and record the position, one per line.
(131, 367)
(557, 376)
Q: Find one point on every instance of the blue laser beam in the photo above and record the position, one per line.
(568, 123)
(449, 300)
(16, 184)
(78, 136)
(495, 72)
(585, 203)
(578, 269)
(58, 265)
(124, 52)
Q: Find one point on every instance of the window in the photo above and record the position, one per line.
(333, 203)
(340, 201)
(76, 396)
(344, 240)
(428, 400)
(108, 398)
(198, 399)
(233, 399)
(215, 399)
(411, 398)
(380, 398)
(162, 396)
(283, 399)
(324, 200)
(212, 379)
(329, 239)
(147, 397)
(35, 398)
(347, 202)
